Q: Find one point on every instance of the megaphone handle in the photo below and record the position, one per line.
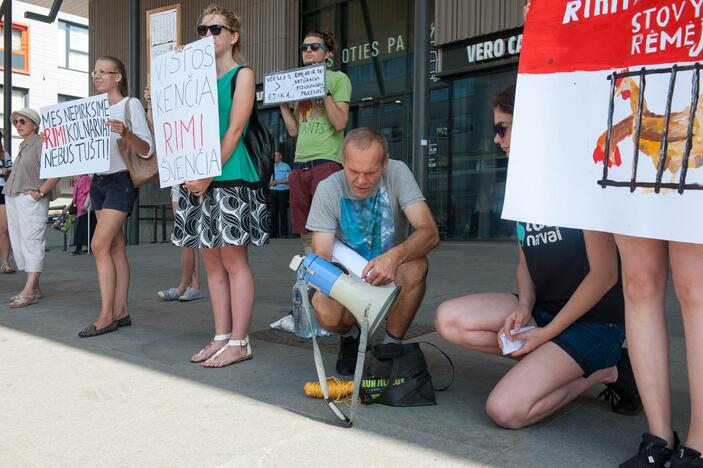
(359, 369)
(301, 285)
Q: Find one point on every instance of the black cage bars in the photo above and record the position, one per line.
(657, 185)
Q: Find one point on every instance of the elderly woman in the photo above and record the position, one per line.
(27, 202)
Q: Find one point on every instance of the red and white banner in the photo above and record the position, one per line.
(561, 127)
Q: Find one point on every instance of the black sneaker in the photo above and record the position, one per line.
(685, 457)
(622, 394)
(346, 359)
(653, 452)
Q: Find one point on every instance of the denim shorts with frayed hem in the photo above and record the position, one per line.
(593, 345)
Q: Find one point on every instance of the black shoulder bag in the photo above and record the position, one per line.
(258, 141)
(397, 375)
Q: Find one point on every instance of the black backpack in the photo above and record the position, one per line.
(259, 142)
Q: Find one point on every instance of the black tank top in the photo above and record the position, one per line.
(557, 262)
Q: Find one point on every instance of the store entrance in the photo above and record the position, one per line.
(389, 118)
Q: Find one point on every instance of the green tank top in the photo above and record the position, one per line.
(239, 165)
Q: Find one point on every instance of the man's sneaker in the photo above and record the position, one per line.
(653, 452)
(190, 295)
(622, 394)
(346, 359)
(685, 457)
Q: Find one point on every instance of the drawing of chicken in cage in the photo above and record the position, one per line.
(671, 140)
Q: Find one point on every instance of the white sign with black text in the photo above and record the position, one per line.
(295, 85)
(184, 103)
(76, 138)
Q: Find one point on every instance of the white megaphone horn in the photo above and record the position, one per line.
(365, 302)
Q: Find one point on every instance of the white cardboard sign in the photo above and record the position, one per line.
(77, 138)
(295, 85)
(184, 106)
(596, 87)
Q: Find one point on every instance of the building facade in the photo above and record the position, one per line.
(50, 61)
(475, 46)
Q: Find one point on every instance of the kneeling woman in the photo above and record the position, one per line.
(569, 287)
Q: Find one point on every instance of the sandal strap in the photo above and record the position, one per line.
(243, 342)
(226, 336)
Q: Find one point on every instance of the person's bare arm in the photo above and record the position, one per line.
(337, 113)
(322, 244)
(382, 269)
(289, 119)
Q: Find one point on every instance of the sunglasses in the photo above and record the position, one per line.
(314, 46)
(95, 73)
(19, 121)
(500, 128)
(215, 29)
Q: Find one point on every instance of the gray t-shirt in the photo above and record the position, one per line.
(371, 225)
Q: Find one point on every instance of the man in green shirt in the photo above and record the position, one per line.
(319, 126)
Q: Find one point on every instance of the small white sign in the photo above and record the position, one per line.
(184, 105)
(77, 138)
(295, 85)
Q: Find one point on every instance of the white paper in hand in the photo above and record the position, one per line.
(512, 346)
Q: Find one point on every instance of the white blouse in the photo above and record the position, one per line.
(139, 128)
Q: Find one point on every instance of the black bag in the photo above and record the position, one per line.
(259, 143)
(397, 375)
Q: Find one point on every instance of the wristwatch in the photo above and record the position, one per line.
(41, 194)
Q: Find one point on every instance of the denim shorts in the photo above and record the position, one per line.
(593, 345)
(113, 191)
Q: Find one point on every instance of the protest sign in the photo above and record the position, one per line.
(77, 138)
(607, 127)
(184, 106)
(295, 85)
(163, 31)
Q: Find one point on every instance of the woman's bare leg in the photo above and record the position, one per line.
(687, 271)
(108, 228)
(241, 290)
(219, 286)
(474, 321)
(644, 274)
(541, 383)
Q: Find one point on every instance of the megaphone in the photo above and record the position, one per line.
(368, 304)
(365, 302)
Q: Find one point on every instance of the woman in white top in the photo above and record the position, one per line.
(113, 195)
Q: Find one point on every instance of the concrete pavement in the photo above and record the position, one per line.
(131, 398)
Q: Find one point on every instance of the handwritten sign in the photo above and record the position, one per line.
(77, 138)
(163, 31)
(186, 122)
(295, 85)
(597, 85)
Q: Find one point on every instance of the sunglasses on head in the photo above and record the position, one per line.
(18, 121)
(215, 29)
(314, 46)
(500, 128)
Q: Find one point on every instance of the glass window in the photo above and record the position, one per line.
(73, 50)
(20, 48)
(20, 99)
(477, 167)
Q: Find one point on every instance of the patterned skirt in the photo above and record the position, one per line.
(222, 217)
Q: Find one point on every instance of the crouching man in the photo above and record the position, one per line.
(369, 206)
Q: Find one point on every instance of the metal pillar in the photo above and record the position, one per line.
(421, 90)
(7, 74)
(135, 88)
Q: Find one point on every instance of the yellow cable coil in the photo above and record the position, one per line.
(339, 389)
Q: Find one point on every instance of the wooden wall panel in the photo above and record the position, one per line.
(456, 20)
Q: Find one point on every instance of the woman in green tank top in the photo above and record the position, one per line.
(225, 214)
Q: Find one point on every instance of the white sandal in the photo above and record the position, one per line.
(231, 343)
(224, 337)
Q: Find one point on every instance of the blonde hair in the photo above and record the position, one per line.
(232, 22)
